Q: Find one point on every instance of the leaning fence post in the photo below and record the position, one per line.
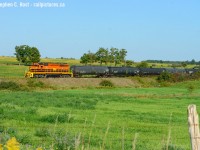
(193, 121)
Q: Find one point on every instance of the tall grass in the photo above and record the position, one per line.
(29, 115)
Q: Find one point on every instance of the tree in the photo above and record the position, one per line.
(88, 58)
(26, 54)
(33, 55)
(85, 59)
(114, 56)
(122, 55)
(91, 56)
(102, 55)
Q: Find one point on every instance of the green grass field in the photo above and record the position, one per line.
(78, 113)
(122, 112)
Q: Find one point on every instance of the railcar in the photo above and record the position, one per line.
(151, 71)
(45, 70)
(97, 71)
(175, 70)
(123, 71)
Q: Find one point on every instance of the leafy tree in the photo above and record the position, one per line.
(102, 55)
(33, 55)
(26, 54)
(88, 58)
(84, 59)
(122, 55)
(112, 54)
(92, 57)
(21, 53)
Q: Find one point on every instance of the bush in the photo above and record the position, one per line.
(35, 83)
(164, 76)
(10, 85)
(106, 83)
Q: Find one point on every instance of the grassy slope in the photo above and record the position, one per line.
(143, 111)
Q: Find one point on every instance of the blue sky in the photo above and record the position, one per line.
(147, 29)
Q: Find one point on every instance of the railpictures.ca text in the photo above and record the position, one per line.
(32, 4)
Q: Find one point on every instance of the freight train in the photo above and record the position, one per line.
(57, 70)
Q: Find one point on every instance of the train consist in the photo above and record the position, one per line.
(46, 70)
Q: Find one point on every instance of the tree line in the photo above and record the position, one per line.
(192, 62)
(105, 55)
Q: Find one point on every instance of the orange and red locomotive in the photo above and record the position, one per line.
(45, 70)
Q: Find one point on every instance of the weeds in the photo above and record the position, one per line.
(106, 83)
(35, 83)
(60, 118)
(10, 85)
(42, 132)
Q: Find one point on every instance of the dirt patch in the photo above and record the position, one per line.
(70, 83)
(89, 82)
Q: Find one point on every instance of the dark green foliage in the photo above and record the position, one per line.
(10, 85)
(172, 147)
(164, 76)
(35, 83)
(129, 63)
(88, 58)
(12, 131)
(191, 88)
(42, 132)
(59, 118)
(26, 54)
(106, 83)
(23, 139)
(103, 55)
(143, 64)
(177, 77)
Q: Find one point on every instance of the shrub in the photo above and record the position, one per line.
(106, 83)
(35, 83)
(143, 64)
(10, 85)
(164, 76)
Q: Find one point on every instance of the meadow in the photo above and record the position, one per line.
(137, 113)
(99, 118)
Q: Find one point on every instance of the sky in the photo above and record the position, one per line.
(147, 29)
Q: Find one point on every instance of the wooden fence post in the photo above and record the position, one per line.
(193, 120)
